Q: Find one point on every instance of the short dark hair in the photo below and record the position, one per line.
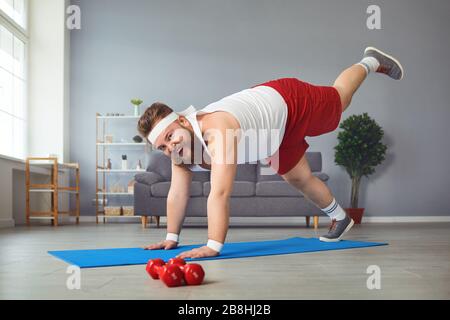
(151, 116)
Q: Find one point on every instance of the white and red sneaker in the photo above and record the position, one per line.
(388, 64)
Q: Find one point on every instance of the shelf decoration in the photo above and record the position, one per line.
(136, 103)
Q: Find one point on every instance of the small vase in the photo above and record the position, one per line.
(136, 111)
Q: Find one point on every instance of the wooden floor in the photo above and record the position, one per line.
(415, 265)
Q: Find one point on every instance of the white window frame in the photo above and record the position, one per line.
(14, 24)
(22, 34)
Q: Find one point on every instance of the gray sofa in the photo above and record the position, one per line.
(254, 194)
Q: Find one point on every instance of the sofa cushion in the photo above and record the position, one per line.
(161, 189)
(161, 164)
(148, 178)
(314, 161)
(276, 189)
(246, 172)
(201, 176)
(282, 188)
(240, 189)
(266, 173)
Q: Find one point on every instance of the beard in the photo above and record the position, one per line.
(187, 150)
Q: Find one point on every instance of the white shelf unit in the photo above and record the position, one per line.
(119, 170)
(121, 144)
(100, 193)
(102, 150)
(118, 117)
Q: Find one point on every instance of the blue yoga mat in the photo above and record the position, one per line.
(131, 256)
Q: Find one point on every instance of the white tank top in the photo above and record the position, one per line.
(262, 115)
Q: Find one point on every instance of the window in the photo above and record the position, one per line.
(15, 10)
(13, 111)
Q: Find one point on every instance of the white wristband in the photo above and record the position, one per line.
(216, 246)
(172, 237)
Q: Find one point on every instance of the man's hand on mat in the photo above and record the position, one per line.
(201, 252)
(166, 244)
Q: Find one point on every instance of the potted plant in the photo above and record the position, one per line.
(359, 151)
(136, 103)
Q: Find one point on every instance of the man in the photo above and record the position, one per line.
(289, 107)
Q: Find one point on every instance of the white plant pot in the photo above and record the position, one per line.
(136, 111)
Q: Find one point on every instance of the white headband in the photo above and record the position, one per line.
(161, 126)
(165, 122)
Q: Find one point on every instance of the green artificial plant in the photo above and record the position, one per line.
(136, 102)
(359, 150)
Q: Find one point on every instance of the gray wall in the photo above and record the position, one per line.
(197, 51)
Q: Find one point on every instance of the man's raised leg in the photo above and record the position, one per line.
(348, 82)
(374, 60)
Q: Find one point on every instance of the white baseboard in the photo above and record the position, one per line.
(406, 219)
(294, 221)
(283, 221)
(7, 223)
(252, 221)
(109, 220)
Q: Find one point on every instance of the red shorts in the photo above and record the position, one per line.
(312, 111)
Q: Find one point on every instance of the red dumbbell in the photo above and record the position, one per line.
(193, 272)
(171, 275)
(153, 266)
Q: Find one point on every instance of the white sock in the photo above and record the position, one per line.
(370, 64)
(334, 211)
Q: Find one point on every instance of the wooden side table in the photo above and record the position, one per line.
(53, 187)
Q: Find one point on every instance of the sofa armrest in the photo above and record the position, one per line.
(322, 176)
(148, 178)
